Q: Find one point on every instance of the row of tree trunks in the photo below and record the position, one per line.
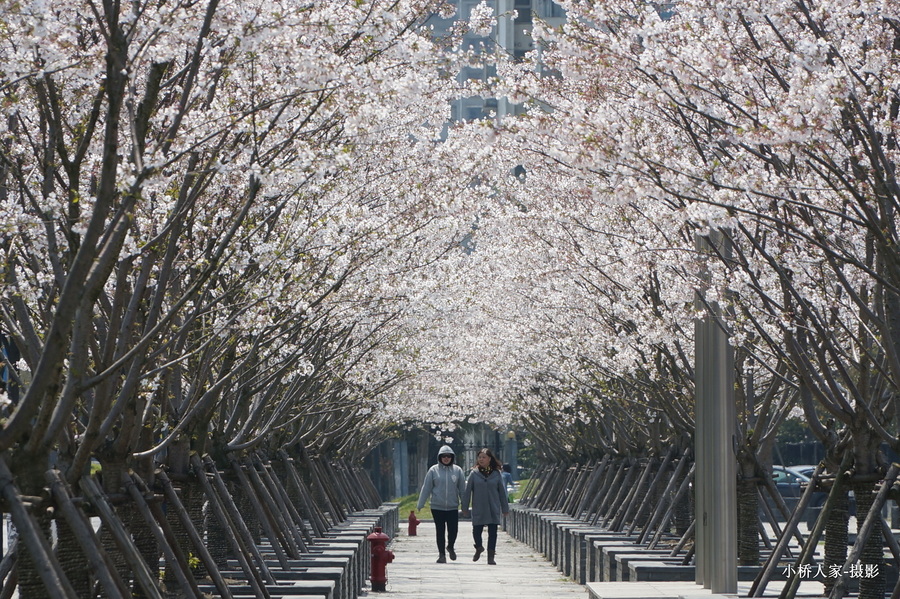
(651, 500)
(180, 513)
(531, 488)
(47, 569)
(759, 585)
(641, 497)
(309, 508)
(148, 522)
(867, 553)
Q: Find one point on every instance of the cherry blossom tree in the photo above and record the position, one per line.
(186, 188)
(770, 122)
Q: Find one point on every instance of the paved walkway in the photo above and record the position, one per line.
(520, 573)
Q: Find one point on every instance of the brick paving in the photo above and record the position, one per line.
(520, 573)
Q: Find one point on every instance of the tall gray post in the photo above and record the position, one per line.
(715, 475)
(512, 454)
(401, 467)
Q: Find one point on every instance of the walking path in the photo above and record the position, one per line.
(520, 573)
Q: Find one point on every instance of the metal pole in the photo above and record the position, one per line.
(716, 494)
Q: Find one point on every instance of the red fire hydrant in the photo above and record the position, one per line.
(413, 523)
(381, 557)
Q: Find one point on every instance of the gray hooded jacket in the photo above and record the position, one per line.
(445, 484)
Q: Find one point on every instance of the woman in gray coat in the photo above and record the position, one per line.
(445, 485)
(487, 494)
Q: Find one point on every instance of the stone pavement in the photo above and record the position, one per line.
(520, 573)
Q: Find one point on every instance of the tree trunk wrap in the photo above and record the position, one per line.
(180, 535)
(31, 584)
(609, 492)
(110, 477)
(195, 538)
(235, 520)
(288, 513)
(72, 559)
(634, 499)
(664, 524)
(626, 486)
(870, 587)
(662, 506)
(596, 475)
(221, 505)
(158, 526)
(684, 511)
(643, 511)
(307, 507)
(836, 538)
(36, 574)
(748, 517)
(144, 541)
(244, 502)
(122, 540)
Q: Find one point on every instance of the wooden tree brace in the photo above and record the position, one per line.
(174, 503)
(108, 516)
(279, 494)
(262, 512)
(316, 518)
(865, 531)
(87, 539)
(161, 530)
(237, 520)
(50, 571)
(237, 542)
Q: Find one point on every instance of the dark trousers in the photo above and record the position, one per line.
(450, 520)
(492, 535)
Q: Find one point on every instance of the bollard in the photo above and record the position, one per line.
(381, 557)
(413, 523)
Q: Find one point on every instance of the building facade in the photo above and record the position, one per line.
(510, 37)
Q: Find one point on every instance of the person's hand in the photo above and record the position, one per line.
(505, 514)
(465, 513)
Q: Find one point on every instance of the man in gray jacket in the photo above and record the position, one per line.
(445, 483)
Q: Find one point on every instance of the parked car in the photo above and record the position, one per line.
(791, 482)
(805, 469)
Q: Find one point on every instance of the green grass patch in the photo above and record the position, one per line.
(408, 504)
(520, 486)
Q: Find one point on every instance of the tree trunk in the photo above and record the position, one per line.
(111, 477)
(31, 586)
(217, 536)
(243, 501)
(684, 509)
(872, 558)
(72, 559)
(748, 522)
(192, 498)
(836, 539)
(29, 471)
(143, 540)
